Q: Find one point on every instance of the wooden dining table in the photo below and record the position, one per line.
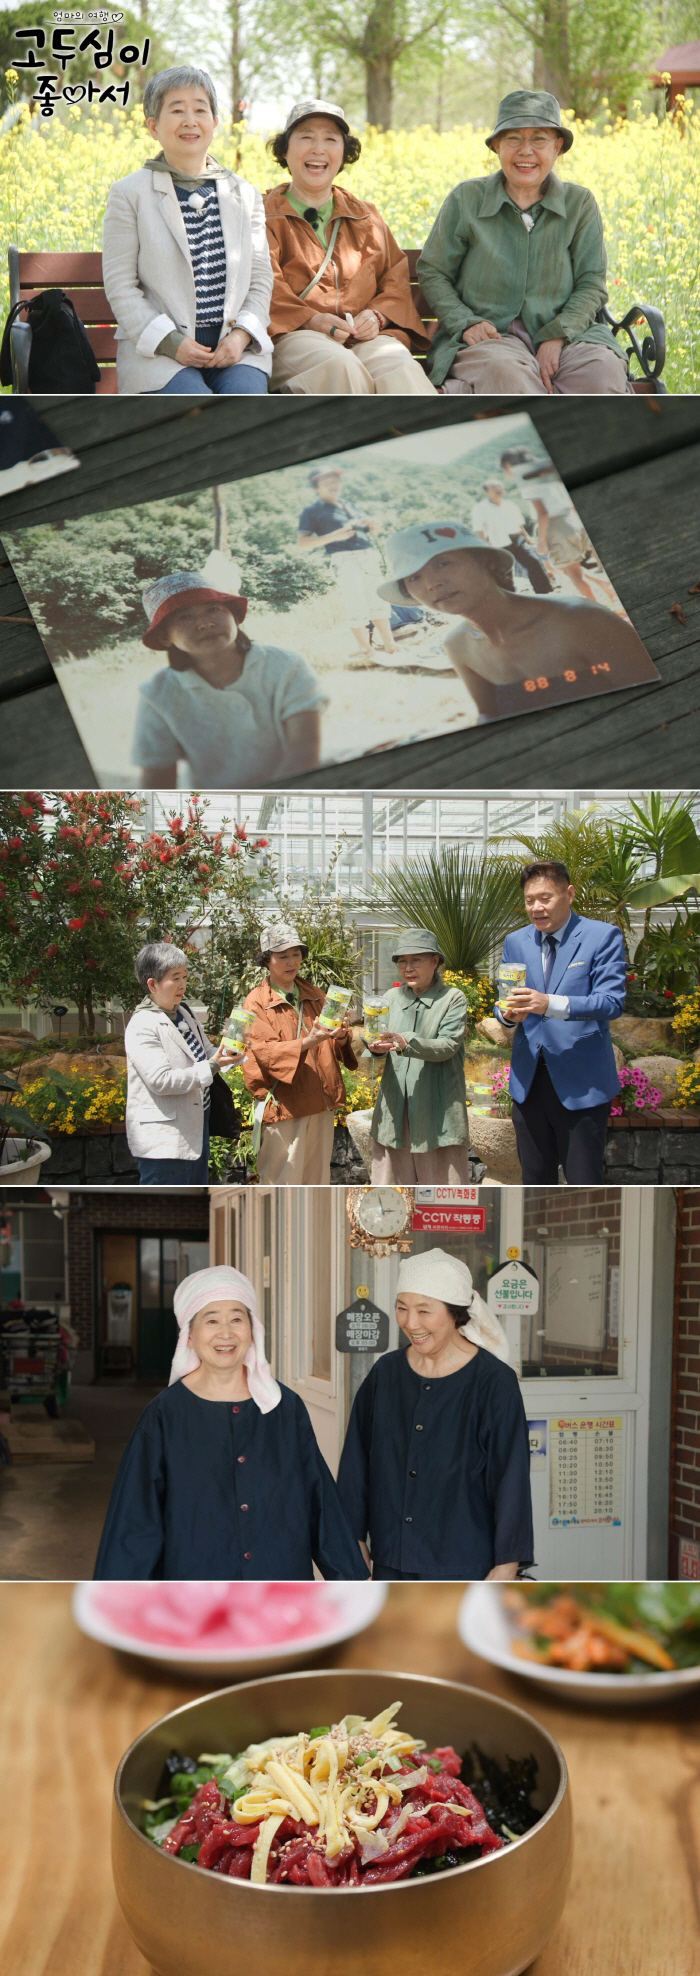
(69, 1707)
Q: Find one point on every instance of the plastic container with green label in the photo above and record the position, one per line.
(511, 974)
(480, 1098)
(376, 1016)
(336, 1005)
(238, 1028)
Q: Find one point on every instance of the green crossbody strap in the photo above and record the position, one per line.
(260, 1108)
(328, 256)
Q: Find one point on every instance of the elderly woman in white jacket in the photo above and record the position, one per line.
(186, 264)
(170, 1065)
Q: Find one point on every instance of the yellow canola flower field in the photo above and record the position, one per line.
(55, 174)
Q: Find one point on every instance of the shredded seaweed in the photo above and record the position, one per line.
(505, 1793)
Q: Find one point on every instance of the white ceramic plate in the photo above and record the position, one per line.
(358, 1606)
(486, 1628)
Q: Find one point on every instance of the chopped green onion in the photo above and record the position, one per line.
(324, 1731)
(434, 1763)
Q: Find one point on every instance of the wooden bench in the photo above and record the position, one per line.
(80, 275)
(650, 353)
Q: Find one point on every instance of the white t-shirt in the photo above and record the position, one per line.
(231, 736)
(497, 521)
(548, 488)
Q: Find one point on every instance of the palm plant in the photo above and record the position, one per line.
(468, 899)
(602, 858)
(668, 957)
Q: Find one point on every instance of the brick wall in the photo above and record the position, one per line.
(143, 1212)
(685, 1421)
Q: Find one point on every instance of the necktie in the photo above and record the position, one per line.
(549, 948)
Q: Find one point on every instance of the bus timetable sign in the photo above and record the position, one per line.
(362, 1328)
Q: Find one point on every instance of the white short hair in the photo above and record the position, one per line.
(155, 960)
(182, 77)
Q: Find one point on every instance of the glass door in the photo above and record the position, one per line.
(163, 1262)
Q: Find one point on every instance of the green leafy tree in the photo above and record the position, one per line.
(89, 574)
(373, 36)
(81, 890)
(585, 51)
(602, 858)
(69, 910)
(224, 970)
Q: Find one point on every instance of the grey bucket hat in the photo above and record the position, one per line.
(411, 548)
(416, 940)
(276, 938)
(525, 109)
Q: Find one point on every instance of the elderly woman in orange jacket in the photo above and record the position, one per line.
(342, 314)
(292, 1066)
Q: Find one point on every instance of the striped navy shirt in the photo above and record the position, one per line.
(191, 1038)
(207, 247)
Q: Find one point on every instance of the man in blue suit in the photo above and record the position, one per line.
(563, 1075)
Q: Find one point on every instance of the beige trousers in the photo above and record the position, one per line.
(445, 1166)
(307, 361)
(297, 1152)
(509, 366)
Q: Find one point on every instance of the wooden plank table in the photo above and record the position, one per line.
(69, 1708)
(633, 465)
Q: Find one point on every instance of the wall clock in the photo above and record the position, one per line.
(380, 1219)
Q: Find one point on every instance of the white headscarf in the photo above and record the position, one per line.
(223, 1285)
(438, 1274)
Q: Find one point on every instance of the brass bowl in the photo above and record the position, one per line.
(493, 1917)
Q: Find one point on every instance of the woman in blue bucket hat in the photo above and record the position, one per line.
(508, 643)
(514, 268)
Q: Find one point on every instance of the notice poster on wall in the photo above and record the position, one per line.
(585, 1471)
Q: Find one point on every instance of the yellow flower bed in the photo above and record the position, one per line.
(478, 990)
(88, 1101)
(686, 1021)
(54, 181)
(687, 1096)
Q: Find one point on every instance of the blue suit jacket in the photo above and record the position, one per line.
(590, 968)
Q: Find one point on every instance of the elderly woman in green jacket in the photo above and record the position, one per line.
(419, 1125)
(515, 270)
